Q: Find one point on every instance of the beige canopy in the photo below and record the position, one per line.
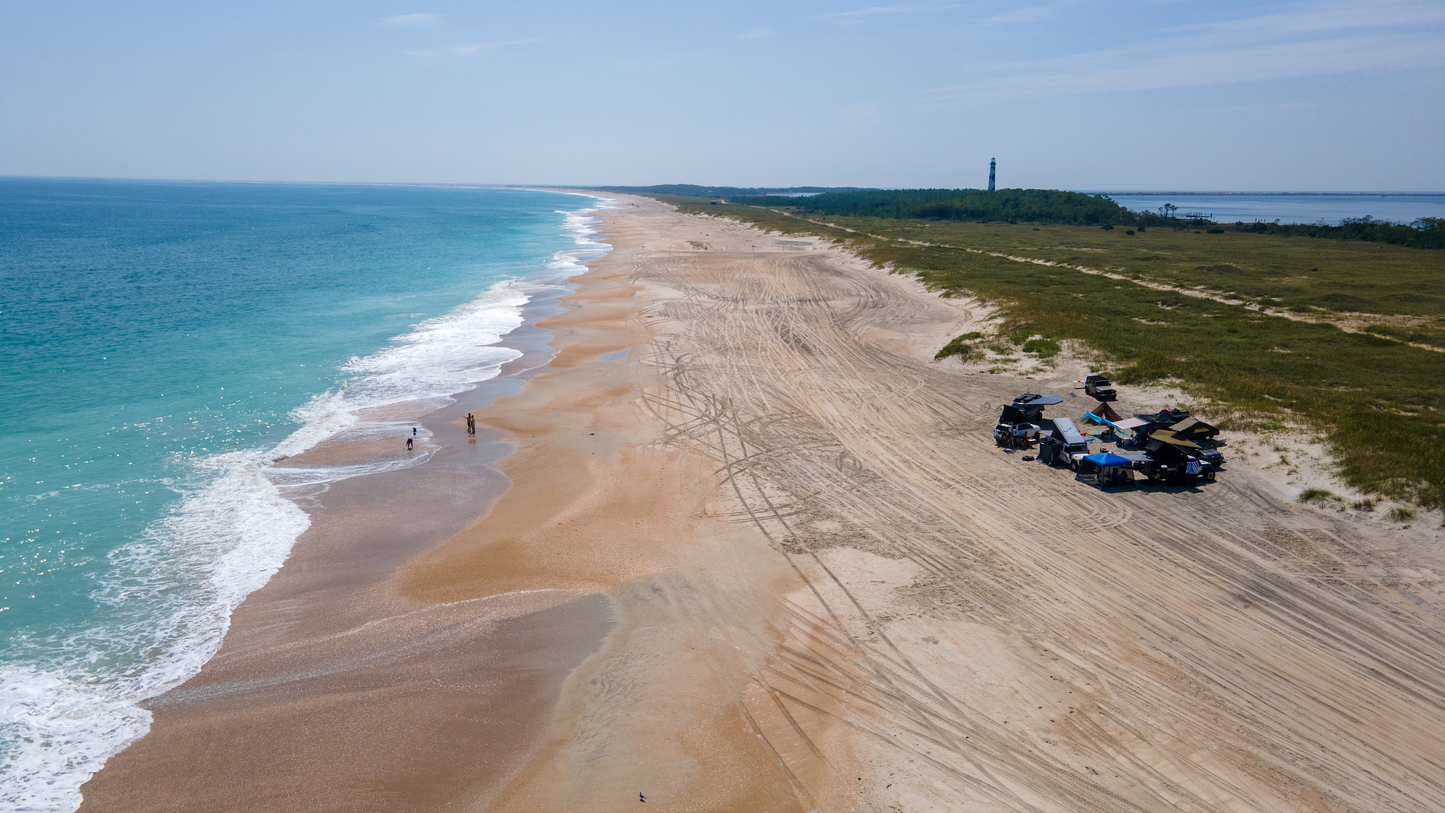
(1194, 428)
(1173, 439)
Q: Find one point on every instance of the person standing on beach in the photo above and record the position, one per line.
(408, 444)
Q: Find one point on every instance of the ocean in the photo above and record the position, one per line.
(1289, 208)
(160, 345)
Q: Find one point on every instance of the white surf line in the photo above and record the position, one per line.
(1155, 286)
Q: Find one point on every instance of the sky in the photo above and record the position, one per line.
(1156, 95)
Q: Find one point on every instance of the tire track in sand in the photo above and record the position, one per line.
(1034, 644)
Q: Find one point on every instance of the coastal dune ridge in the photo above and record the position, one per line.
(171, 591)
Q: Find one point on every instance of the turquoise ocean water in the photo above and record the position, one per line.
(160, 344)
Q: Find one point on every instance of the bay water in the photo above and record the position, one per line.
(1289, 208)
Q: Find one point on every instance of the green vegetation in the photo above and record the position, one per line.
(1376, 399)
(688, 190)
(1013, 205)
(1042, 347)
(959, 346)
(1427, 232)
(1318, 495)
(1401, 514)
(1048, 206)
(1307, 276)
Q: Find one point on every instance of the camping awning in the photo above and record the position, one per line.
(1172, 439)
(1105, 460)
(1130, 423)
(1193, 427)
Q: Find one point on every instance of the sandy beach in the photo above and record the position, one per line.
(744, 545)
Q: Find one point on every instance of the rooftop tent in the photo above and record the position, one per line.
(1068, 433)
(1012, 414)
(1194, 429)
(1165, 417)
(1032, 399)
(1028, 407)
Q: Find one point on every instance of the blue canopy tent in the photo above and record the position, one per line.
(1106, 469)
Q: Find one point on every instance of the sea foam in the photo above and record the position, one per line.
(173, 589)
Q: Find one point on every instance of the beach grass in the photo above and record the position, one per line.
(1375, 397)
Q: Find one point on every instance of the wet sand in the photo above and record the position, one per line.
(334, 692)
(770, 559)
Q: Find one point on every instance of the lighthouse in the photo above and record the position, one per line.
(991, 164)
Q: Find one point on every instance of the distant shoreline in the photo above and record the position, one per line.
(1274, 194)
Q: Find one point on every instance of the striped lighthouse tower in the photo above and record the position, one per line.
(991, 164)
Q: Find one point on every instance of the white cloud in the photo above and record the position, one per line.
(1022, 15)
(1108, 71)
(756, 34)
(1329, 16)
(859, 15)
(466, 49)
(1315, 40)
(412, 21)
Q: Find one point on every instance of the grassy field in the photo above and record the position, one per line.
(1342, 365)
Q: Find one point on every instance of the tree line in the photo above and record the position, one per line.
(689, 190)
(1050, 206)
(974, 205)
(1427, 232)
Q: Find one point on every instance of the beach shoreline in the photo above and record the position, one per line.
(752, 548)
(361, 529)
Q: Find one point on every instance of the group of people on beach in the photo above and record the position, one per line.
(471, 430)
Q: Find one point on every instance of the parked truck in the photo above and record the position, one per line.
(1099, 388)
(1061, 443)
(1019, 421)
(1203, 435)
(1172, 464)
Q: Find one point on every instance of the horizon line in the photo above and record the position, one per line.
(494, 185)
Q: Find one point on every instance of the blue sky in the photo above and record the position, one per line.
(1183, 95)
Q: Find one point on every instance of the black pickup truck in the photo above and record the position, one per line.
(1100, 388)
(1020, 419)
(1172, 464)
